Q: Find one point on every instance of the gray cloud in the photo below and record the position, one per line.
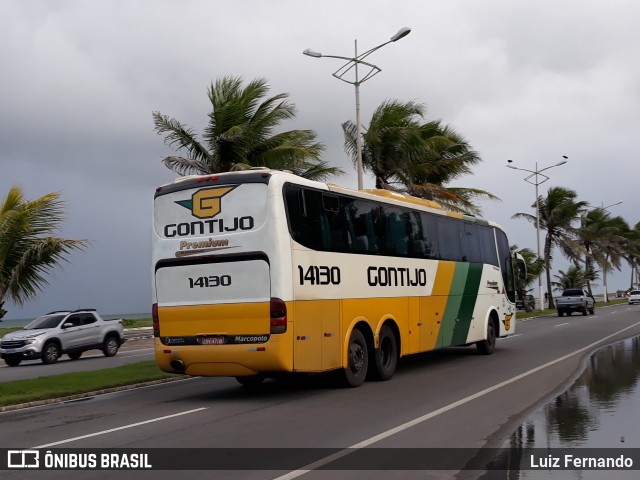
(524, 80)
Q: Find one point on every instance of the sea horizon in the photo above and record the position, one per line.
(21, 322)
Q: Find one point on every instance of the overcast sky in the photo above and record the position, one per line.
(527, 80)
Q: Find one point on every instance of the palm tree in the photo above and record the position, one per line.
(559, 210)
(612, 246)
(632, 253)
(27, 249)
(606, 240)
(574, 277)
(241, 134)
(407, 155)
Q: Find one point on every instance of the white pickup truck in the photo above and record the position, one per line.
(575, 300)
(62, 332)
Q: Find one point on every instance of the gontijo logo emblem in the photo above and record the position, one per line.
(206, 203)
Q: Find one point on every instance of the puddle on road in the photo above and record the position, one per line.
(600, 410)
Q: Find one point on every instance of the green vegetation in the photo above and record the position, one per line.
(137, 323)
(28, 251)
(586, 236)
(422, 159)
(240, 135)
(55, 386)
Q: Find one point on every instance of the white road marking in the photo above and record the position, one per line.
(511, 336)
(124, 427)
(561, 324)
(440, 411)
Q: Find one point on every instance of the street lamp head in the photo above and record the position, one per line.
(312, 53)
(565, 157)
(509, 161)
(403, 32)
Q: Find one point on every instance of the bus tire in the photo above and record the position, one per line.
(488, 345)
(251, 381)
(386, 356)
(358, 360)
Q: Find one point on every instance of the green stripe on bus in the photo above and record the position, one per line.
(450, 317)
(467, 304)
(458, 313)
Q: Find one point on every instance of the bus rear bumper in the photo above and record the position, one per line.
(223, 360)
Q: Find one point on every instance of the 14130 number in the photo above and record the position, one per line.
(210, 281)
(319, 275)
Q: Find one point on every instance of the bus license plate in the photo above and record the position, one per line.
(218, 340)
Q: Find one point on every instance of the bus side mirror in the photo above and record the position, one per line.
(521, 267)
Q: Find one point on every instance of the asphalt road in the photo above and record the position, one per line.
(453, 398)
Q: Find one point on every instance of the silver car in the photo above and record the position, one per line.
(62, 332)
(634, 296)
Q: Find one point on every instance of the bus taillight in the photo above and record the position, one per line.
(278, 316)
(156, 322)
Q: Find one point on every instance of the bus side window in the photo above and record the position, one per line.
(396, 232)
(429, 235)
(325, 231)
(360, 216)
(335, 235)
(488, 245)
(303, 216)
(470, 239)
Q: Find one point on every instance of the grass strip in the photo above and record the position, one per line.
(55, 386)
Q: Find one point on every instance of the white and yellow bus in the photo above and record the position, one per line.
(261, 272)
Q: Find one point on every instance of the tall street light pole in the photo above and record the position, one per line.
(353, 63)
(537, 178)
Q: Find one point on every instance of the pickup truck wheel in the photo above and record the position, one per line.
(584, 311)
(592, 310)
(50, 353)
(12, 361)
(560, 313)
(110, 347)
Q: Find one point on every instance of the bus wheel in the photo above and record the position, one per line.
(386, 357)
(487, 346)
(356, 370)
(251, 381)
